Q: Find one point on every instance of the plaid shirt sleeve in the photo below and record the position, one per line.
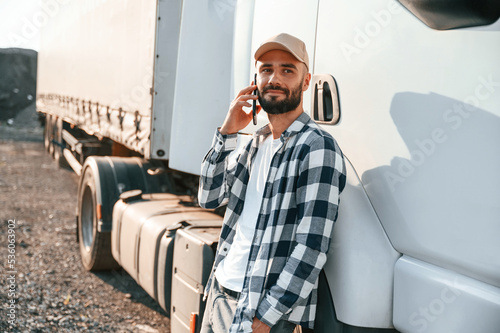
(216, 177)
(317, 196)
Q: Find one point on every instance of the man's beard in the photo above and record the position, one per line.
(273, 106)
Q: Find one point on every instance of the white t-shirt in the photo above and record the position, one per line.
(230, 272)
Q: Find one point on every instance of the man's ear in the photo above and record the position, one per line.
(307, 80)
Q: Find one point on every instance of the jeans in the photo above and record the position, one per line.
(220, 309)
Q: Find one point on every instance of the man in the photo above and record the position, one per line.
(282, 196)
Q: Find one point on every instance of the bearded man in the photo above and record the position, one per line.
(282, 199)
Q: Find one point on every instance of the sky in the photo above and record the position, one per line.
(21, 21)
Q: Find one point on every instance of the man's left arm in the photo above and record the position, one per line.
(320, 181)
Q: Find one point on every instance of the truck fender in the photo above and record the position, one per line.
(361, 260)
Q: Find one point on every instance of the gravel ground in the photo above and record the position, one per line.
(50, 290)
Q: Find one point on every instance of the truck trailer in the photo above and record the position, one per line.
(132, 92)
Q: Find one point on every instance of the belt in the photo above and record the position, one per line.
(232, 293)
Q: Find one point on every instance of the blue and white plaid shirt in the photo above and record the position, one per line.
(295, 224)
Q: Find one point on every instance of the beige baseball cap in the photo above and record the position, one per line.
(286, 43)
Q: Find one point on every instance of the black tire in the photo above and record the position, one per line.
(95, 246)
(59, 148)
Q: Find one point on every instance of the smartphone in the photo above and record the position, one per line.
(254, 105)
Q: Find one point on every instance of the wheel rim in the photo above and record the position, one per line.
(87, 218)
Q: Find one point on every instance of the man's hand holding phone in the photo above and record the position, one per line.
(237, 119)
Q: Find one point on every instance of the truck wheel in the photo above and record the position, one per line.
(95, 246)
(59, 148)
(102, 181)
(47, 132)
